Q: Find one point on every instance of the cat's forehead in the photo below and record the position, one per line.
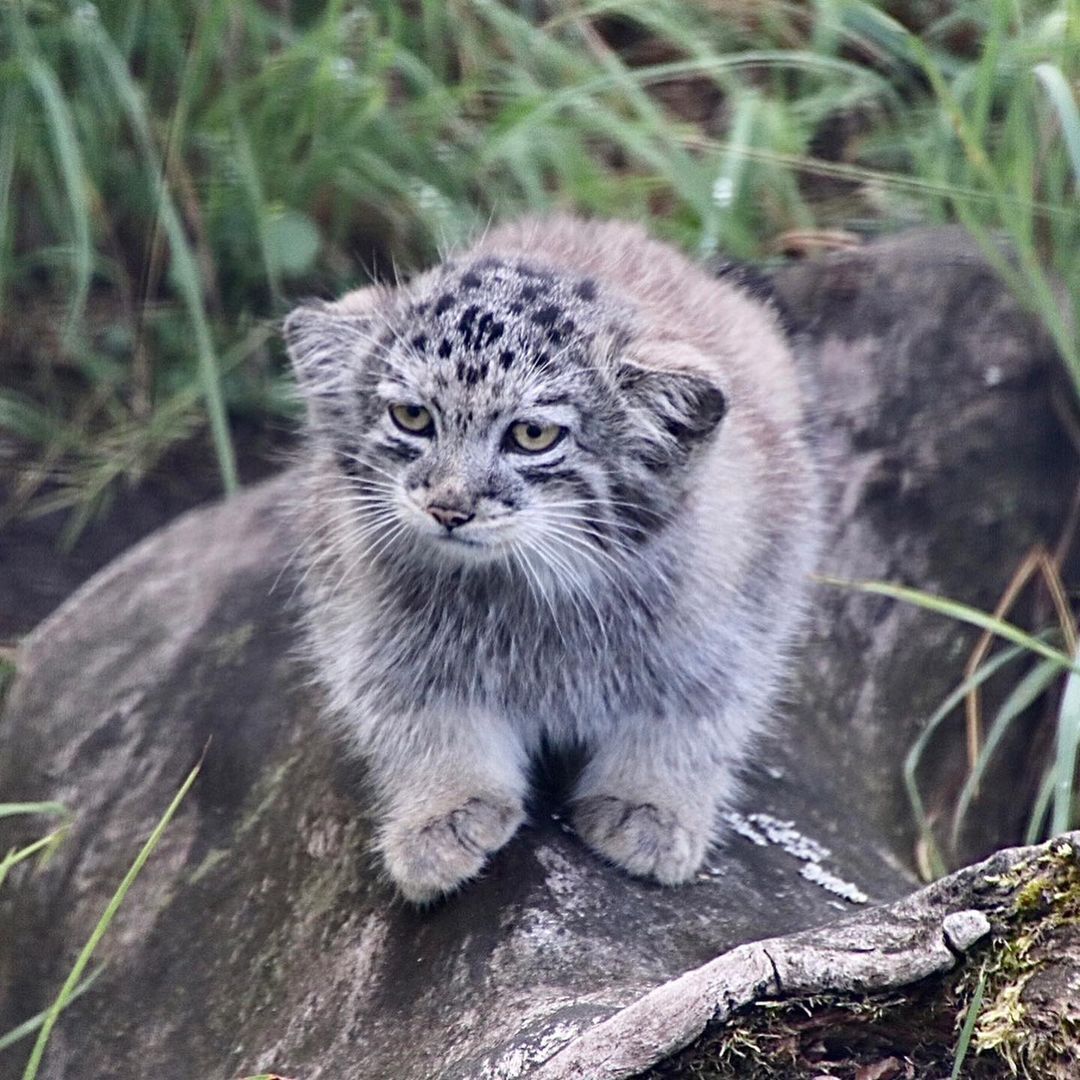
(491, 323)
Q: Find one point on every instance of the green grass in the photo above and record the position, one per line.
(173, 174)
(971, 1016)
(1055, 809)
(75, 983)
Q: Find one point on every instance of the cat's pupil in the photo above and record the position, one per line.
(534, 431)
(413, 411)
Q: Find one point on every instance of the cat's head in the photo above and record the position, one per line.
(498, 408)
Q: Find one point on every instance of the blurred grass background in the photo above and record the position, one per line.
(174, 173)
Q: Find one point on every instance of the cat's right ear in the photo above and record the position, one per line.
(326, 342)
(319, 340)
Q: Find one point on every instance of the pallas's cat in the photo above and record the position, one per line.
(556, 490)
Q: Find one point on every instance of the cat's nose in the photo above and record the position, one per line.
(450, 516)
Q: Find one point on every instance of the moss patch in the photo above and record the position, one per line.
(1027, 1022)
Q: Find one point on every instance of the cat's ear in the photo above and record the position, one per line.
(683, 405)
(325, 340)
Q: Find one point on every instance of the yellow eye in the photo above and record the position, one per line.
(533, 438)
(414, 419)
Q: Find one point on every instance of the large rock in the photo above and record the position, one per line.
(260, 936)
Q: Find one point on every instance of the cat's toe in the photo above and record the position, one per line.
(437, 855)
(643, 838)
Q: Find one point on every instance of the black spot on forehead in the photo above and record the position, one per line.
(547, 315)
(487, 331)
(445, 348)
(471, 280)
(465, 323)
(419, 343)
(506, 358)
(585, 289)
(444, 303)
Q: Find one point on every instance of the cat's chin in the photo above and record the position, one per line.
(463, 549)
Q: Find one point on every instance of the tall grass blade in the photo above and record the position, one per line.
(1065, 754)
(962, 613)
(72, 981)
(65, 143)
(1061, 97)
(184, 265)
(964, 1042)
(1035, 832)
(46, 844)
(11, 112)
(9, 809)
(914, 756)
(28, 1027)
(1023, 694)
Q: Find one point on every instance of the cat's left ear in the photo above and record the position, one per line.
(684, 405)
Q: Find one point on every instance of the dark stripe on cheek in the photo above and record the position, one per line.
(347, 457)
(540, 474)
(401, 450)
(593, 518)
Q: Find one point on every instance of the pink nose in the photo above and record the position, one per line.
(450, 516)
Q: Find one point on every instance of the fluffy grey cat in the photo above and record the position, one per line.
(557, 489)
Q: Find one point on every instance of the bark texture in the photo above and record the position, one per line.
(260, 937)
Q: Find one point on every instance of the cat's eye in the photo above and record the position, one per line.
(529, 437)
(414, 419)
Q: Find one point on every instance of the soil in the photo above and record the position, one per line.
(37, 572)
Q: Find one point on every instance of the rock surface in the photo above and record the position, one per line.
(260, 937)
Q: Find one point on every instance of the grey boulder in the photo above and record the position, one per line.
(260, 936)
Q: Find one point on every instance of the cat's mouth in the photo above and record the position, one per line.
(454, 544)
(473, 541)
(460, 541)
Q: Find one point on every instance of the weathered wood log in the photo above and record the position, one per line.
(260, 936)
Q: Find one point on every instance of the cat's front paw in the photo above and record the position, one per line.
(643, 838)
(436, 854)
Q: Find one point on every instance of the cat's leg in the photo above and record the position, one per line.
(649, 798)
(451, 792)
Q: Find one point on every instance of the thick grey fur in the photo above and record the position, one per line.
(634, 591)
